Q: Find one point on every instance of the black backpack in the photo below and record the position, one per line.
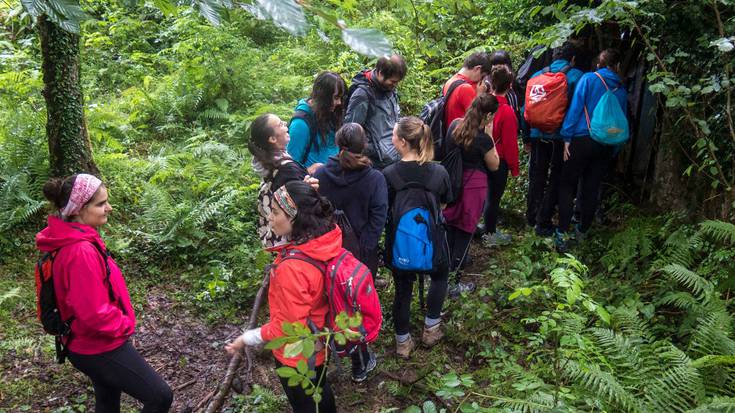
(530, 66)
(452, 162)
(410, 196)
(47, 307)
(433, 115)
(311, 124)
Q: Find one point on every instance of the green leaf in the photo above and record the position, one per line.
(340, 339)
(293, 349)
(167, 7)
(302, 367)
(429, 407)
(603, 314)
(276, 343)
(369, 42)
(294, 381)
(412, 409)
(355, 320)
(285, 371)
(308, 350)
(286, 14)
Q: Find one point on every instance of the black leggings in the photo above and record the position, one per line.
(587, 162)
(547, 157)
(495, 188)
(123, 370)
(459, 242)
(304, 403)
(404, 294)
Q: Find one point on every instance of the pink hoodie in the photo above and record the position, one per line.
(99, 325)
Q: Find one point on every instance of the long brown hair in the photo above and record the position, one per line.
(326, 85)
(418, 136)
(351, 140)
(466, 131)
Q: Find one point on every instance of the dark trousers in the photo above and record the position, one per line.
(123, 370)
(404, 293)
(585, 167)
(547, 158)
(496, 182)
(360, 357)
(459, 242)
(369, 257)
(304, 403)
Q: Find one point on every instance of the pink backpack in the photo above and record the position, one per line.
(349, 286)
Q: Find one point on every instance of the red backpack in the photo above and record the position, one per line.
(349, 286)
(546, 100)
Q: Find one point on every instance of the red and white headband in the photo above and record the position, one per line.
(85, 186)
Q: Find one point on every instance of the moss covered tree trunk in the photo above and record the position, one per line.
(69, 148)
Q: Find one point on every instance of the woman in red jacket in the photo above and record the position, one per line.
(296, 290)
(505, 135)
(91, 294)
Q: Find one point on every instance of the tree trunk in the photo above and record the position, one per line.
(68, 142)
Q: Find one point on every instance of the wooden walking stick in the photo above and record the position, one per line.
(226, 383)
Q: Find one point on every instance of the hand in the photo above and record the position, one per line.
(527, 147)
(312, 181)
(489, 128)
(312, 169)
(566, 151)
(235, 346)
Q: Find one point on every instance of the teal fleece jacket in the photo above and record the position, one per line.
(300, 136)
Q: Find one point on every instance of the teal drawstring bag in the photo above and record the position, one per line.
(609, 125)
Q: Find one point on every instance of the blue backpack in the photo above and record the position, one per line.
(609, 125)
(416, 236)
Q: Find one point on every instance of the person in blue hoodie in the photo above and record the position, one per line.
(315, 120)
(545, 166)
(586, 160)
(352, 185)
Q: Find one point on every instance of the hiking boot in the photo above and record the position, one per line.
(479, 230)
(360, 374)
(561, 241)
(544, 231)
(432, 335)
(403, 350)
(456, 290)
(496, 239)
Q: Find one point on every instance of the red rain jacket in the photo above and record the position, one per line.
(99, 325)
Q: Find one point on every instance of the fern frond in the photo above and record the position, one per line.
(719, 230)
(680, 299)
(716, 405)
(603, 384)
(713, 335)
(688, 278)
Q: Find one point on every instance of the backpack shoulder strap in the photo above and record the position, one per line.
(105, 255)
(603, 80)
(565, 69)
(547, 69)
(295, 254)
(311, 124)
(457, 83)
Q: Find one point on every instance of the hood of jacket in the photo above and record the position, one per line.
(368, 78)
(321, 248)
(343, 177)
(303, 105)
(60, 233)
(611, 78)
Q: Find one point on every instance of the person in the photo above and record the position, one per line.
(412, 139)
(315, 121)
(546, 150)
(373, 103)
(297, 292)
(91, 292)
(505, 135)
(269, 138)
(472, 134)
(584, 158)
(475, 67)
(353, 186)
(502, 57)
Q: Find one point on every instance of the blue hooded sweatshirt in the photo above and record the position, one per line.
(588, 93)
(573, 76)
(300, 136)
(363, 196)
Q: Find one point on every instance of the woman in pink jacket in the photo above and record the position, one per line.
(92, 296)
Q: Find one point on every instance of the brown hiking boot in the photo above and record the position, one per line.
(432, 335)
(403, 350)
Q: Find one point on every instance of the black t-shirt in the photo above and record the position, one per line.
(411, 171)
(474, 156)
(287, 172)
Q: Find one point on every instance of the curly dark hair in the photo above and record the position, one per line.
(315, 216)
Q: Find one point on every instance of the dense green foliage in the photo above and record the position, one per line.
(641, 320)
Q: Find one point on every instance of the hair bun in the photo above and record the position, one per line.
(52, 191)
(326, 206)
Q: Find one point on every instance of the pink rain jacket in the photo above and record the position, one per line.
(99, 324)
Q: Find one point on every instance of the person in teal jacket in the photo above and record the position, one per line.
(584, 158)
(546, 149)
(315, 121)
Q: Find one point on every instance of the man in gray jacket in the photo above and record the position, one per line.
(373, 103)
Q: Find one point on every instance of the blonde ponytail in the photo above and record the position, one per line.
(418, 136)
